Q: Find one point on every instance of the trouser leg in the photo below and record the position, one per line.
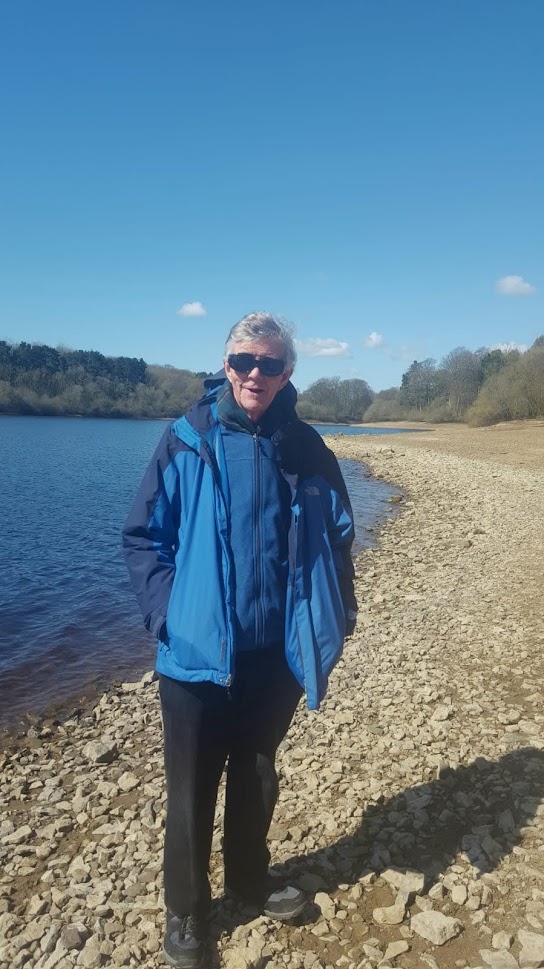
(264, 702)
(195, 749)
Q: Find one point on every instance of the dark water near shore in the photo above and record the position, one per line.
(357, 429)
(68, 618)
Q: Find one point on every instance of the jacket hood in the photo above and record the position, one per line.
(214, 381)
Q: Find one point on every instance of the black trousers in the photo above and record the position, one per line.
(203, 727)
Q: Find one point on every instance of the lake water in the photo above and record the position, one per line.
(68, 618)
(325, 429)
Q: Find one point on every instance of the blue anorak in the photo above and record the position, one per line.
(178, 543)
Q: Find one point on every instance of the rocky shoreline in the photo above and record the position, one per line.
(411, 806)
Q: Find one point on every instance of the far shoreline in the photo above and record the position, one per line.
(423, 426)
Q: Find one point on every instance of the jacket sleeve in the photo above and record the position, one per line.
(319, 459)
(150, 535)
(341, 540)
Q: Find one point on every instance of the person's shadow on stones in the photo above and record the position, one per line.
(475, 814)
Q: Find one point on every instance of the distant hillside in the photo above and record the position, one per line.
(37, 379)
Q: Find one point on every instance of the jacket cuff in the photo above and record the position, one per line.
(157, 627)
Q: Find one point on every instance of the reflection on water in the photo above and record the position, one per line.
(353, 429)
(369, 499)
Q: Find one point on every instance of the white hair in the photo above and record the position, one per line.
(255, 326)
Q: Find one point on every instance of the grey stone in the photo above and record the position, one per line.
(53, 960)
(429, 960)
(33, 931)
(499, 959)
(90, 956)
(502, 940)
(310, 882)
(238, 958)
(435, 927)
(391, 914)
(459, 894)
(326, 904)
(506, 821)
(37, 906)
(128, 781)
(441, 713)
(408, 882)
(99, 752)
(71, 937)
(532, 949)
(372, 952)
(19, 836)
(121, 955)
(49, 940)
(395, 949)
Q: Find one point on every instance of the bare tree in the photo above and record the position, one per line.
(421, 384)
(462, 372)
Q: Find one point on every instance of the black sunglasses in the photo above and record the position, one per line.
(245, 362)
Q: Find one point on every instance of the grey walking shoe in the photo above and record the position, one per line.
(285, 904)
(183, 945)
(282, 904)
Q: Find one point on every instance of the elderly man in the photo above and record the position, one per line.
(238, 546)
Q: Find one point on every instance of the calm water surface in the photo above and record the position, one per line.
(68, 618)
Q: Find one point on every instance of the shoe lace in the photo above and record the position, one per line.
(187, 927)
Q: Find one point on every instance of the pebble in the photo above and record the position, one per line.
(408, 882)
(395, 949)
(391, 914)
(326, 904)
(498, 959)
(99, 752)
(435, 927)
(459, 894)
(502, 940)
(532, 949)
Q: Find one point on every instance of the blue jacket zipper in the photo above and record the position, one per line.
(300, 653)
(259, 619)
(227, 682)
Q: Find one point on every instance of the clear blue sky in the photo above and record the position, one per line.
(369, 169)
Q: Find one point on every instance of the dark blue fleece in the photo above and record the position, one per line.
(260, 515)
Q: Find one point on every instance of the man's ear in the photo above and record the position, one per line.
(285, 377)
(228, 369)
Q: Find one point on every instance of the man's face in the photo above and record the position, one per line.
(253, 391)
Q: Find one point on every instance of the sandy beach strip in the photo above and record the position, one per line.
(411, 806)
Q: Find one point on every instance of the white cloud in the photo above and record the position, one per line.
(317, 347)
(373, 340)
(506, 347)
(192, 309)
(514, 286)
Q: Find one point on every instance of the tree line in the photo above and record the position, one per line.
(478, 387)
(37, 379)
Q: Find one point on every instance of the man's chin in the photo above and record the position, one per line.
(254, 415)
(254, 408)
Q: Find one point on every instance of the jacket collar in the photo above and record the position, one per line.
(231, 415)
(218, 404)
